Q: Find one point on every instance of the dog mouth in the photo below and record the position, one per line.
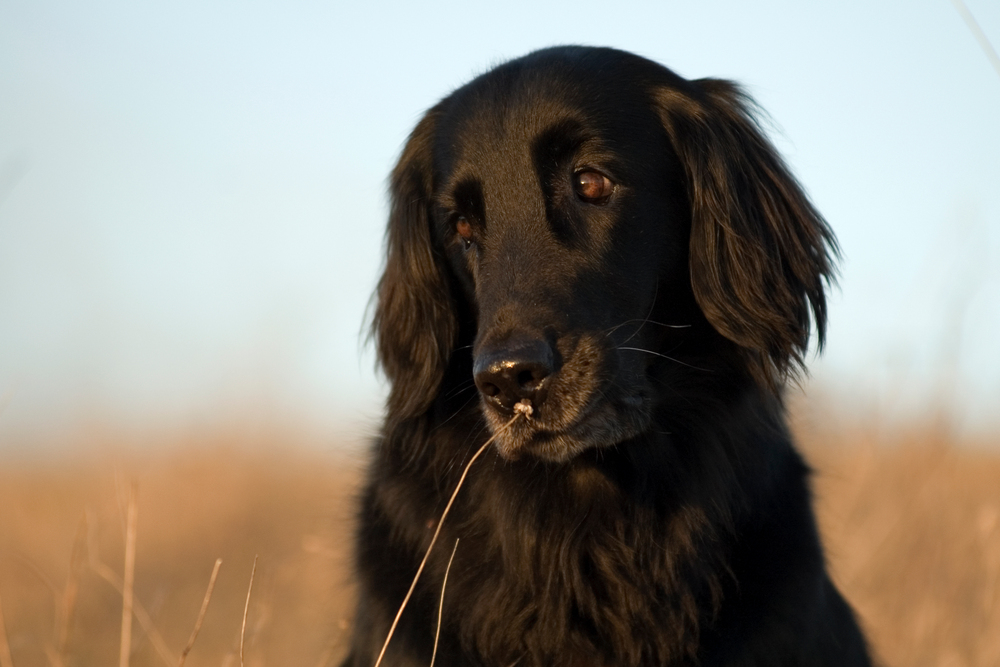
(553, 399)
(602, 423)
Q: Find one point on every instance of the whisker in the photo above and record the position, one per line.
(460, 388)
(658, 354)
(457, 412)
(652, 304)
(616, 327)
(482, 428)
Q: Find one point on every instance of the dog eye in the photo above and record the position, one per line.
(464, 230)
(593, 187)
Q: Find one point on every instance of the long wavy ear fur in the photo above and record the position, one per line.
(760, 254)
(414, 325)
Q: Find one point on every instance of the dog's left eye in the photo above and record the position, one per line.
(464, 230)
(592, 187)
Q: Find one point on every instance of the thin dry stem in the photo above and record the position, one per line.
(246, 608)
(67, 609)
(129, 578)
(977, 32)
(5, 659)
(444, 583)
(145, 620)
(519, 411)
(110, 576)
(201, 613)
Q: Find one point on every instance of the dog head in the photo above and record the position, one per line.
(593, 227)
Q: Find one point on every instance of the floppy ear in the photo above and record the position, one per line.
(760, 254)
(414, 323)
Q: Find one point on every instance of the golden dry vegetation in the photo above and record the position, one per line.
(911, 522)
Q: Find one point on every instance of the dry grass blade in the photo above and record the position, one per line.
(444, 583)
(110, 576)
(246, 608)
(5, 659)
(520, 409)
(145, 620)
(201, 613)
(977, 32)
(129, 577)
(67, 609)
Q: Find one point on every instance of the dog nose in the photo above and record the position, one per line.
(508, 374)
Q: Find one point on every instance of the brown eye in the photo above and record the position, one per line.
(464, 230)
(592, 187)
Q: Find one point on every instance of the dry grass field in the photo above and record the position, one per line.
(912, 525)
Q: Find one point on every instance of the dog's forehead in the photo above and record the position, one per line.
(502, 114)
(504, 120)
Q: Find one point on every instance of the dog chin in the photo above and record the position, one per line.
(606, 426)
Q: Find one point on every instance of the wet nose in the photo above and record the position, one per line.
(514, 371)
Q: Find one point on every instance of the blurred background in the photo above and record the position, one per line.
(192, 204)
(192, 194)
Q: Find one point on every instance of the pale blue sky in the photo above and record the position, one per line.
(192, 194)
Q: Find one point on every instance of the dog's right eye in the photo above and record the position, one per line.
(593, 187)
(464, 230)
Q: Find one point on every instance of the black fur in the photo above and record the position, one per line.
(653, 510)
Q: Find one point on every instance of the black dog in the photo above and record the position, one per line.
(583, 231)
